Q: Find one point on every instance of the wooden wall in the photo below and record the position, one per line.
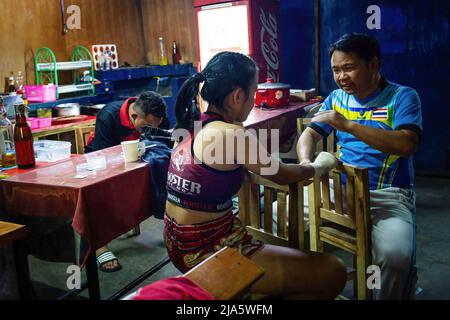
(27, 25)
(174, 20)
(133, 25)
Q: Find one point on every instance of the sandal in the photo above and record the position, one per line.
(106, 257)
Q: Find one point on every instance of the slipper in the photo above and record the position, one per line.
(106, 257)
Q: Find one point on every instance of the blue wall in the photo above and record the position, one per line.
(297, 43)
(415, 40)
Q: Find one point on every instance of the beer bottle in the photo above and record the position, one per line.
(23, 139)
(12, 86)
(175, 54)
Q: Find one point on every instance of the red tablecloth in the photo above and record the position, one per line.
(284, 119)
(102, 207)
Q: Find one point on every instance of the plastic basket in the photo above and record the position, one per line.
(34, 123)
(45, 122)
(41, 93)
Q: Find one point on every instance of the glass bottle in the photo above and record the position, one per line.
(12, 86)
(162, 53)
(23, 139)
(175, 54)
(7, 152)
(19, 83)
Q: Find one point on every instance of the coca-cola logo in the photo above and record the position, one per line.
(269, 48)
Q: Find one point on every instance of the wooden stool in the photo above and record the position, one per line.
(10, 234)
(226, 275)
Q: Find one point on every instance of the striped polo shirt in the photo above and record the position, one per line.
(393, 107)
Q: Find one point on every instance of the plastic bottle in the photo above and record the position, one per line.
(7, 151)
(101, 61)
(107, 54)
(162, 53)
(23, 139)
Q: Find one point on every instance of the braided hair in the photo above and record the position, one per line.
(225, 72)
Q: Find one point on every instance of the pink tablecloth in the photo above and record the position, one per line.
(102, 206)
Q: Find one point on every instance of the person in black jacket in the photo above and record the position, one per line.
(121, 121)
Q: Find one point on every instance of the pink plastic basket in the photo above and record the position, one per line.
(34, 123)
(45, 122)
(41, 93)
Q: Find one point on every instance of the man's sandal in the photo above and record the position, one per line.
(106, 257)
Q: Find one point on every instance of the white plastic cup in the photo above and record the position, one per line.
(132, 150)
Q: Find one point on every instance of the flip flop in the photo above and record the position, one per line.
(106, 257)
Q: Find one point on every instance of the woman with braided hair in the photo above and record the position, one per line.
(206, 171)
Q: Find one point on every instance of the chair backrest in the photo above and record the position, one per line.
(82, 135)
(289, 217)
(325, 144)
(344, 222)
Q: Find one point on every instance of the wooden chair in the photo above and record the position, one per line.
(82, 135)
(325, 144)
(290, 214)
(290, 217)
(344, 224)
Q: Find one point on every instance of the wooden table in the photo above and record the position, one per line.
(102, 207)
(75, 130)
(10, 232)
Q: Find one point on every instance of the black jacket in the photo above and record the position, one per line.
(109, 131)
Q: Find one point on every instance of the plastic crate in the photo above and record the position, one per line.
(51, 151)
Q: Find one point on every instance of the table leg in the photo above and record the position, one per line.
(26, 291)
(91, 270)
(92, 277)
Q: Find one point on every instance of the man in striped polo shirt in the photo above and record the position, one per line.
(378, 125)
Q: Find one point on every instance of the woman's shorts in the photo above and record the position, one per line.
(188, 245)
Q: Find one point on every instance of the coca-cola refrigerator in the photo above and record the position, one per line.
(250, 27)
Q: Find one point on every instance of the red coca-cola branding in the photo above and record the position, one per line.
(264, 35)
(266, 39)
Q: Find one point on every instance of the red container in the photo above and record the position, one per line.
(251, 27)
(272, 94)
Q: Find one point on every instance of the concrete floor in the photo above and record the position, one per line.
(138, 254)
